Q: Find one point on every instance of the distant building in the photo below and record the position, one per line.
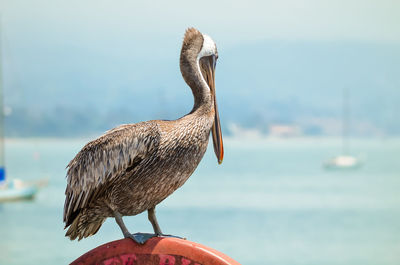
(280, 130)
(237, 131)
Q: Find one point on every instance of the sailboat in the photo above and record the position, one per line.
(10, 190)
(345, 160)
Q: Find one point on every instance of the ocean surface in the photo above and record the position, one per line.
(270, 202)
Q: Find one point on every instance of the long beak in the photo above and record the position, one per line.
(216, 128)
(217, 135)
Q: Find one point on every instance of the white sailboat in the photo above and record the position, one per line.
(10, 190)
(345, 160)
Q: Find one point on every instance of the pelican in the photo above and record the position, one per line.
(134, 167)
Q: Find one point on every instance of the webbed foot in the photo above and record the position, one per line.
(140, 238)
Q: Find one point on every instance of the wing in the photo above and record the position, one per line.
(101, 161)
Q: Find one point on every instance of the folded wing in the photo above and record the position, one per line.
(102, 161)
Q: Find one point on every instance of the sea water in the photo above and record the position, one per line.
(270, 202)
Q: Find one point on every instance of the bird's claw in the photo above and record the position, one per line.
(162, 235)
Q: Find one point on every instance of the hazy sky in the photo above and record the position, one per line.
(293, 54)
(232, 21)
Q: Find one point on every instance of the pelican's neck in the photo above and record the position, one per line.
(201, 92)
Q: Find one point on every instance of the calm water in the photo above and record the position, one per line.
(270, 202)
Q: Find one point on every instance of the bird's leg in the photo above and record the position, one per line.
(140, 238)
(120, 222)
(153, 220)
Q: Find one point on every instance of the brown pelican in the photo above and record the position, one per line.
(133, 167)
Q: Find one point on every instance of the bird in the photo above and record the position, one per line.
(132, 168)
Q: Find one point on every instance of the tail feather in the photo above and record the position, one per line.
(84, 225)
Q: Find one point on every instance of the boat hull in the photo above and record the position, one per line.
(15, 194)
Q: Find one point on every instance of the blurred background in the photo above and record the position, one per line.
(308, 94)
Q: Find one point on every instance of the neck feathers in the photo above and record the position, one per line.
(189, 64)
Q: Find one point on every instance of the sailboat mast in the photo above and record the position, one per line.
(345, 121)
(2, 165)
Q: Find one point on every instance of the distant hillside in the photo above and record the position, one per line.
(75, 91)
